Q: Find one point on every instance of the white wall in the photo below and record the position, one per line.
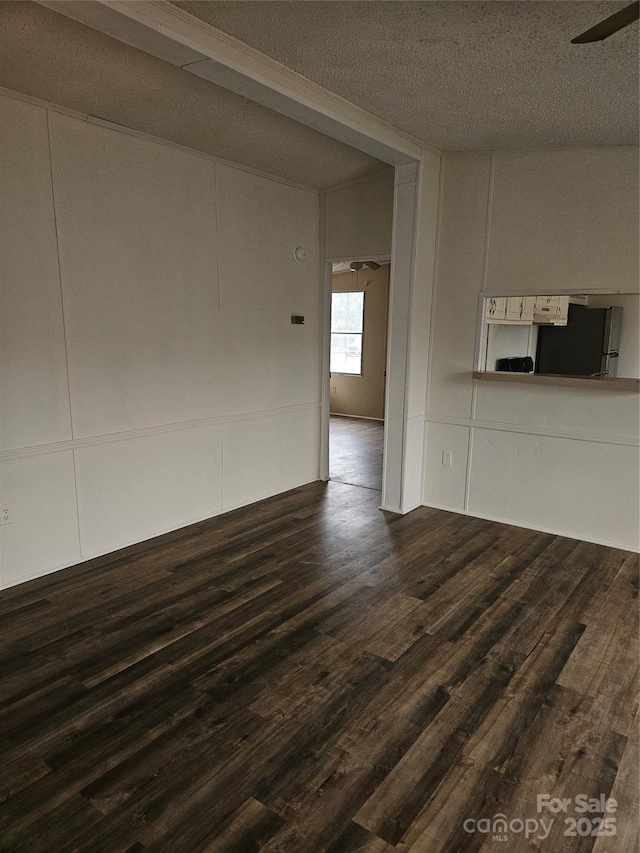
(358, 218)
(150, 373)
(556, 459)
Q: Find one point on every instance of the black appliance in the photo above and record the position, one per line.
(587, 346)
(516, 364)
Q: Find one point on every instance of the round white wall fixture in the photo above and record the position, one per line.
(299, 254)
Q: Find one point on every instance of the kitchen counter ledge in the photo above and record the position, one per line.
(600, 383)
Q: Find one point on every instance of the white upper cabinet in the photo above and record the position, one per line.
(527, 310)
(514, 309)
(496, 309)
(551, 309)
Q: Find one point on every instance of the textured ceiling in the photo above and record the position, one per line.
(56, 59)
(457, 75)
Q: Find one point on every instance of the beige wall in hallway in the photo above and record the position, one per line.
(364, 395)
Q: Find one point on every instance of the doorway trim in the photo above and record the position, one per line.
(405, 392)
(325, 371)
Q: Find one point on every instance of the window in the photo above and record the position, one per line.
(347, 313)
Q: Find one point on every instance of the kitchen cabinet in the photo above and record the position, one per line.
(514, 309)
(511, 309)
(496, 309)
(551, 309)
(527, 310)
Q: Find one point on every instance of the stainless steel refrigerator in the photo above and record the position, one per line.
(587, 346)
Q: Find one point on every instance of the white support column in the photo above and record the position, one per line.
(402, 256)
(412, 270)
(325, 374)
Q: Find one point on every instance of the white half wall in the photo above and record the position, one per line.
(44, 533)
(134, 488)
(151, 376)
(564, 460)
(261, 451)
(556, 484)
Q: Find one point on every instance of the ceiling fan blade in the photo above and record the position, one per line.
(610, 25)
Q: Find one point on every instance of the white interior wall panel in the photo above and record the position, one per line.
(395, 496)
(359, 218)
(34, 399)
(133, 489)
(461, 247)
(412, 473)
(577, 488)
(427, 208)
(550, 458)
(267, 362)
(43, 535)
(137, 234)
(550, 409)
(267, 455)
(564, 219)
(444, 486)
(137, 227)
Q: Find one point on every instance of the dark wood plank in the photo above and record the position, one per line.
(355, 451)
(312, 674)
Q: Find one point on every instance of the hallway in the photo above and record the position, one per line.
(355, 451)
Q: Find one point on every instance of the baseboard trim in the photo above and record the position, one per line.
(593, 540)
(358, 417)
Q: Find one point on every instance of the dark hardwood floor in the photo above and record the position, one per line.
(355, 451)
(312, 675)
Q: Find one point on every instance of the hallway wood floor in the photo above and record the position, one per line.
(312, 675)
(355, 451)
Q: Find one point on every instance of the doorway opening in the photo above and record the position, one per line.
(359, 296)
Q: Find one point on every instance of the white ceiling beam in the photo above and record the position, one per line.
(164, 30)
(113, 23)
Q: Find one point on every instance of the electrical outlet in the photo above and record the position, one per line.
(6, 514)
(334, 388)
(447, 458)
